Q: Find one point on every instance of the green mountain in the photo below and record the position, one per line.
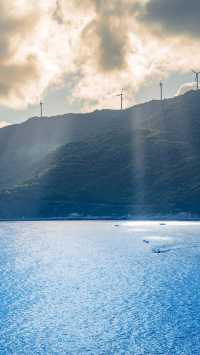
(142, 162)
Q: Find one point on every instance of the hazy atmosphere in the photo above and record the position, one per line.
(77, 55)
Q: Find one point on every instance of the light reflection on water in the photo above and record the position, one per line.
(94, 288)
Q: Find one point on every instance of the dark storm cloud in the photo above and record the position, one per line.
(178, 16)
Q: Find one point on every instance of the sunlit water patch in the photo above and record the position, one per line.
(99, 288)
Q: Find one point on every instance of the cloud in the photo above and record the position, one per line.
(117, 48)
(177, 16)
(185, 88)
(97, 46)
(111, 31)
(31, 57)
(4, 124)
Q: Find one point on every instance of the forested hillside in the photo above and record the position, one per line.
(140, 162)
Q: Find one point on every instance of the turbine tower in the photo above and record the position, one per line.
(196, 73)
(161, 90)
(121, 96)
(41, 109)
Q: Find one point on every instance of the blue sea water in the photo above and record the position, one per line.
(99, 288)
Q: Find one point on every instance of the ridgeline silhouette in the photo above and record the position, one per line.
(143, 162)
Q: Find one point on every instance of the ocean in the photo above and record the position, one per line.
(95, 287)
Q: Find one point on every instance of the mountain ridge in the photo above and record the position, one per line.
(143, 161)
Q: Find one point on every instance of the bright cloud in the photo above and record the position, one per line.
(185, 88)
(31, 55)
(4, 124)
(100, 46)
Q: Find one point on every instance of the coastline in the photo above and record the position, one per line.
(106, 219)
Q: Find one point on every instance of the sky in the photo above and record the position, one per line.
(77, 55)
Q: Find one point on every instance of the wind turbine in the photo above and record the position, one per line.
(196, 73)
(41, 108)
(121, 96)
(161, 90)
